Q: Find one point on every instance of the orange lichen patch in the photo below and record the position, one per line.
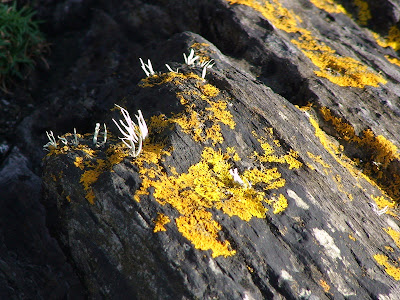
(274, 12)
(160, 222)
(268, 156)
(279, 204)
(379, 150)
(193, 119)
(88, 151)
(343, 71)
(202, 231)
(209, 90)
(159, 123)
(208, 185)
(79, 162)
(382, 150)
(393, 60)
(329, 6)
(58, 150)
(352, 237)
(391, 40)
(202, 50)
(388, 248)
(89, 177)
(318, 159)
(345, 130)
(218, 113)
(232, 153)
(390, 269)
(364, 14)
(324, 285)
(159, 79)
(394, 234)
(149, 164)
(93, 166)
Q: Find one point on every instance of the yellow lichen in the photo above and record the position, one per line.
(393, 60)
(324, 285)
(388, 248)
(268, 156)
(394, 234)
(390, 269)
(345, 130)
(343, 71)
(93, 166)
(364, 14)
(329, 6)
(203, 51)
(202, 231)
(207, 185)
(209, 90)
(160, 222)
(193, 120)
(318, 159)
(352, 237)
(274, 12)
(381, 152)
(79, 162)
(89, 177)
(391, 40)
(280, 204)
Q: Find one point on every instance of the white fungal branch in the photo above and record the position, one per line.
(147, 68)
(96, 133)
(205, 65)
(75, 141)
(189, 60)
(238, 180)
(376, 209)
(171, 70)
(133, 133)
(52, 141)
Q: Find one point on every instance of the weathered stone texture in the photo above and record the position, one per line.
(302, 102)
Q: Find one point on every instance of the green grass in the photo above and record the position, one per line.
(21, 42)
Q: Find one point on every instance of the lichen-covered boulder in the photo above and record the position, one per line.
(237, 193)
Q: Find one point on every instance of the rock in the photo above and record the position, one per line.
(275, 176)
(32, 264)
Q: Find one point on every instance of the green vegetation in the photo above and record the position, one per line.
(20, 42)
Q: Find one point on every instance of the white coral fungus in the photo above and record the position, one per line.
(133, 133)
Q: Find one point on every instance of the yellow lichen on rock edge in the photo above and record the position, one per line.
(380, 151)
(343, 71)
(391, 40)
(329, 6)
(160, 222)
(394, 234)
(390, 269)
(201, 124)
(274, 12)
